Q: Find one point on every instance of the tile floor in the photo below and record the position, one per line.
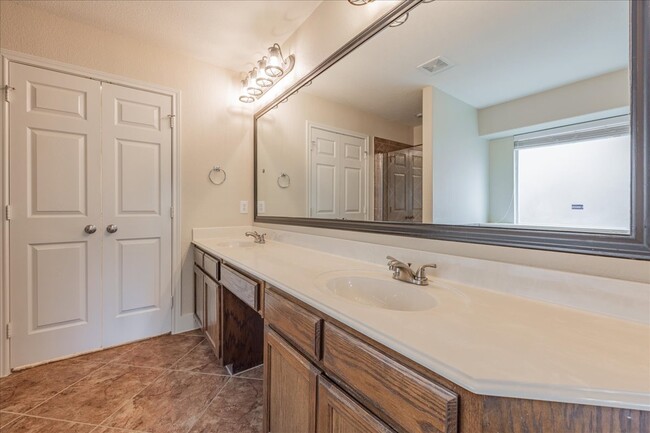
(169, 384)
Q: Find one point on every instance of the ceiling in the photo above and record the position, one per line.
(502, 50)
(229, 34)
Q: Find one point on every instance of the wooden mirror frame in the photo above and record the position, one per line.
(635, 245)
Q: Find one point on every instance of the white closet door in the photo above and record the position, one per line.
(338, 182)
(55, 166)
(352, 179)
(136, 140)
(324, 174)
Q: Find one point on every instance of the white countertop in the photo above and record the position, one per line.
(488, 342)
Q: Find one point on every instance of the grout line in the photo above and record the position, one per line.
(69, 386)
(163, 372)
(207, 406)
(22, 416)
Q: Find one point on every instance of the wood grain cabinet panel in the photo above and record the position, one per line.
(290, 388)
(299, 326)
(339, 413)
(213, 315)
(403, 398)
(241, 286)
(199, 296)
(211, 267)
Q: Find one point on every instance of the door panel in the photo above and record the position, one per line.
(339, 413)
(136, 143)
(55, 166)
(290, 388)
(338, 175)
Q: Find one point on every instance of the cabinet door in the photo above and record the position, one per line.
(199, 296)
(290, 387)
(213, 314)
(339, 413)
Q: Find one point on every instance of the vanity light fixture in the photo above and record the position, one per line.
(268, 71)
(359, 2)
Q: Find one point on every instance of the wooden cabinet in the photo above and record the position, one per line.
(199, 296)
(339, 413)
(213, 314)
(291, 386)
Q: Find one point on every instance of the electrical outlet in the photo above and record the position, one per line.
(243, 206)
(261, 206)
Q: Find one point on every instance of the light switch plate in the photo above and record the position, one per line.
(243, 206)
(261, 206)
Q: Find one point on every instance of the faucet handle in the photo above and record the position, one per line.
(421, 275)
(262, 238)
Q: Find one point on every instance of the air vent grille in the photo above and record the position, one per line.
(436, 65)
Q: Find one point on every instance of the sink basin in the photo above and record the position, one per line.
(237, 244)
(378, 291)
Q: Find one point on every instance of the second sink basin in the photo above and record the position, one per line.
(378, 291)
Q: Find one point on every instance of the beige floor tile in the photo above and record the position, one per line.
(172, 404)
(160, 352)
(237, 409)
(27, 424)
(27, 389)
(201, 359)
(98, 395)
(253, 373)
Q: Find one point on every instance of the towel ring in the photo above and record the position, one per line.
(217, 169)
(288, 183)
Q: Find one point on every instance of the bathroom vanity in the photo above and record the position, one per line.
(335, 365)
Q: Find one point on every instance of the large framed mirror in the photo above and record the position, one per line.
(510, 123)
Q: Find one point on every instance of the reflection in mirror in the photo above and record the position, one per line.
(482, 113)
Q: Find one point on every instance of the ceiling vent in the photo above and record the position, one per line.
(436, 65)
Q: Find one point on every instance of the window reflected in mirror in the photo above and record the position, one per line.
(519, 120)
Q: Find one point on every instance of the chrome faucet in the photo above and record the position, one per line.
(403, 272)
(259, 238)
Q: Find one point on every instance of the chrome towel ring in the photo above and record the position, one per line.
(286, 183)
(214, 172)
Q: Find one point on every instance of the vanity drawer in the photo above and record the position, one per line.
(198, 257)
(295, 323)
(241, 286)
(401, 396)
(211, 267)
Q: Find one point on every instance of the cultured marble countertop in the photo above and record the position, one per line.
(488, 342)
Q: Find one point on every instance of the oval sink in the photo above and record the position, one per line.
(379, 292)
(237, 244)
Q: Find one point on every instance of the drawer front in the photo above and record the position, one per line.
(198, 257)
(241, 286)
(401, 396)
(298, 325)
(211, 267)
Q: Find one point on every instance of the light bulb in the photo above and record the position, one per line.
(253, 89)
(275, 63)
(262, 79)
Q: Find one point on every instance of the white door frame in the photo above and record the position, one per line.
(364, 137)
(179, 323)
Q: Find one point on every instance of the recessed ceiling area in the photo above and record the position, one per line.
(500, 51)
(228, 34)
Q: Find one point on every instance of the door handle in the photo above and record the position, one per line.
(111, 228)
(90, 229)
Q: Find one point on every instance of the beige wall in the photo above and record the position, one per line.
(282, 147)
(214, 128)
(597, 97)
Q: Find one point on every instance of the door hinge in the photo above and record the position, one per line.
(171, 212)
(172, 120)
(172, 307)
(8, 212)
(9, 330)
(6, 89)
